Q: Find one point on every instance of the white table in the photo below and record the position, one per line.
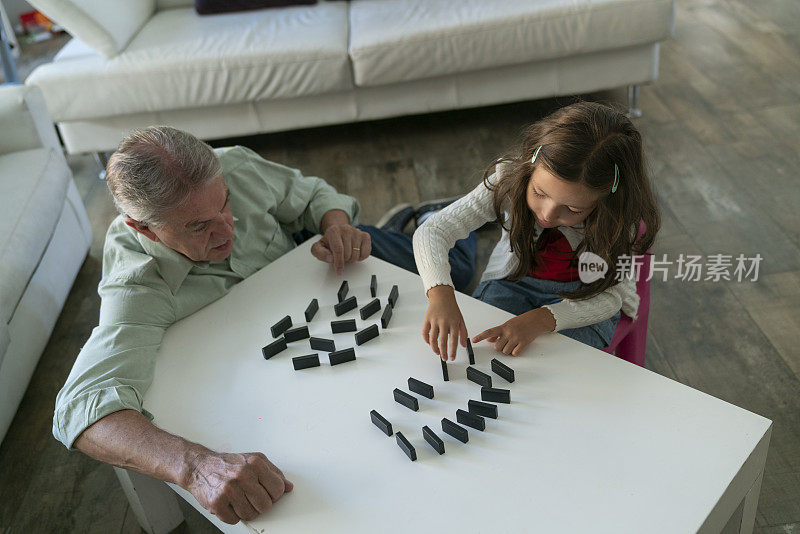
(589, 443)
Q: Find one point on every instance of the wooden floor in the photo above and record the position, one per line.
(722, 132)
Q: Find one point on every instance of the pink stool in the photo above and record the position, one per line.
(630, 337)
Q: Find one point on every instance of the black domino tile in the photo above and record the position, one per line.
(484, 409)
(407, 447)
(342, 356)
(393, 294)
(381, 422)
(433, 440)
(345, 306)
(479, 377)
(373, 286)
(457, 431)
(312, 310)
(343, 289)
(347, 325)
(318, 343)
(304, 362)
(296, 334)
(470, 419)
(496, 395)
(502, 370)
(281, 326)
(406, 400)
(386, 316)
(365, 335)
(420, 388)
(274, 348)
(373, 307)
(470, 352)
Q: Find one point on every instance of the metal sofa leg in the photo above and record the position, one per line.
(633, 102)
(102, 160)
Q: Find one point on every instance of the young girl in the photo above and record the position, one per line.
(577, 184)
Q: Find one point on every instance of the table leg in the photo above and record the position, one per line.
(152, 501)
(750, 506)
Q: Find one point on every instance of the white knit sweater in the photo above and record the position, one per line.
(439, 233)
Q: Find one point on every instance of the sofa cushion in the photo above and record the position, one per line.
(105, 25)
(33, 184)
(184, 60)
(401, 40)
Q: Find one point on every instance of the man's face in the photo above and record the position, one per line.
(201, 228)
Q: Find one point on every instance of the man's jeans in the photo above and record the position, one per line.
(397, 249)
(523, 295)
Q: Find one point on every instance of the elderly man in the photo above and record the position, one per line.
(194, 222)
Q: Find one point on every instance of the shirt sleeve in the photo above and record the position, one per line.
(299, 201)
(578, 313)
(439, 233)
(115, 367)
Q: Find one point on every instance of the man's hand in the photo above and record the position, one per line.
(514, 336)
(235, 486)
(444, 324)
(341, 243)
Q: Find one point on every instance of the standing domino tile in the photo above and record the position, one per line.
(373, 286)
(370, 309)
(386, 316)
(470, 352)
(445, 376)
(502, 370)
(274, 348)
(281, 326)
(343, 289)
(407, 447)
(295, 334)
(420, 388)
(318, 343)
(393, 294)
(312, 310)
(433, 440)
(470, 419)
(345, 306)
(347, 325)
(496, 395)
(406, 400)
(458, 432)
(368, 333)
(381, 422)
(342, 356)
(304, 362)
(479, 377)
(483, 409)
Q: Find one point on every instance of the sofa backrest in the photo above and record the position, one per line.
(107, 26)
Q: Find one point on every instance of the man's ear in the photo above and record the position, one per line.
(141, 228)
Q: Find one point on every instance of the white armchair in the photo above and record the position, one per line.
(44, 238)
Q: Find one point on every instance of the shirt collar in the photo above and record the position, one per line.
(172, 265)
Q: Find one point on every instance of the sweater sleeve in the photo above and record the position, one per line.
(439, 233)
(577, 313)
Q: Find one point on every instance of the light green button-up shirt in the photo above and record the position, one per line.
(147, 286)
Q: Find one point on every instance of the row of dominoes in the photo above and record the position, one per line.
(284, 328)
(473, 417)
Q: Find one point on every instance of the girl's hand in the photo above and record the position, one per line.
(514, 336)
(444, 321)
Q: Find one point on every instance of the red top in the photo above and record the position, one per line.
(555, 257)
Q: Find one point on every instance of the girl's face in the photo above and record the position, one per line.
(557, 202)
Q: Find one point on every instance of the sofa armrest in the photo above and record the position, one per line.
(24, 121)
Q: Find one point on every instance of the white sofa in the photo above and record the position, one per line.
(44, 238)
(140, 62)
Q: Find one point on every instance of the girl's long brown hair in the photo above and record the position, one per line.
(581, 143)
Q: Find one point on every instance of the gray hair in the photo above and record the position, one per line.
(155, 169)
